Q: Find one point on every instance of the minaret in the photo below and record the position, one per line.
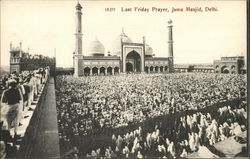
(10, 46)
(20, 47)
(170, 46)
(143, 56)
(78, 45)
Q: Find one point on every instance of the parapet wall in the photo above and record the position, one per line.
(41, 138)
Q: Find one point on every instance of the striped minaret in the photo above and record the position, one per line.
(170, 46)
(78, 44)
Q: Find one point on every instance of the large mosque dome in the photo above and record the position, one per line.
(96, 48)
(117, 43)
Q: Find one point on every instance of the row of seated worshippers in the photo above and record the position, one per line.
(189, 133)
(19, 91)
(87, 105)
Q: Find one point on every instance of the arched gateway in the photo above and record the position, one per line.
(133, 57)
(133, 62)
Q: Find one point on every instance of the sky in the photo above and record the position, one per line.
(48, 27)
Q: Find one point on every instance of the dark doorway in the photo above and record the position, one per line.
(161, 69)
(116, 70)
(102, 71)
(95, 71)
(146, 69)
(129, 67)
(136, 59)
(156, 69)
(225, 71)
(151, 69)
(86, 71)
(166, 68)
(109, 70)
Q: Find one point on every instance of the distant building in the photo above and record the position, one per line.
(64, 71)
(232, 65)
(126, 55)
(23, 61)
(194, 68)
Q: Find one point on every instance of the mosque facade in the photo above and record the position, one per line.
(126, 56)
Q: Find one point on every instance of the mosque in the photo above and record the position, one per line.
(126, 56)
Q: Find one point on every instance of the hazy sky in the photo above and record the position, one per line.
(198, 37)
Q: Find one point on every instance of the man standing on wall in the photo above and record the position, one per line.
(13, 99)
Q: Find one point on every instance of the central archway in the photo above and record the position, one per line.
(133, 59)
(224, 69)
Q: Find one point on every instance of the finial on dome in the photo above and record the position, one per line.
(20, 44)
(170, 21)
(122, 30)
(96, 38)
(10, 45)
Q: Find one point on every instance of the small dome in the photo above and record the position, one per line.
(96, 48)
(117, 43)
(148, 50)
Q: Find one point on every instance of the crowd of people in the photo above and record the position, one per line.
(18, 92)
(190, 132)
(88, 105)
